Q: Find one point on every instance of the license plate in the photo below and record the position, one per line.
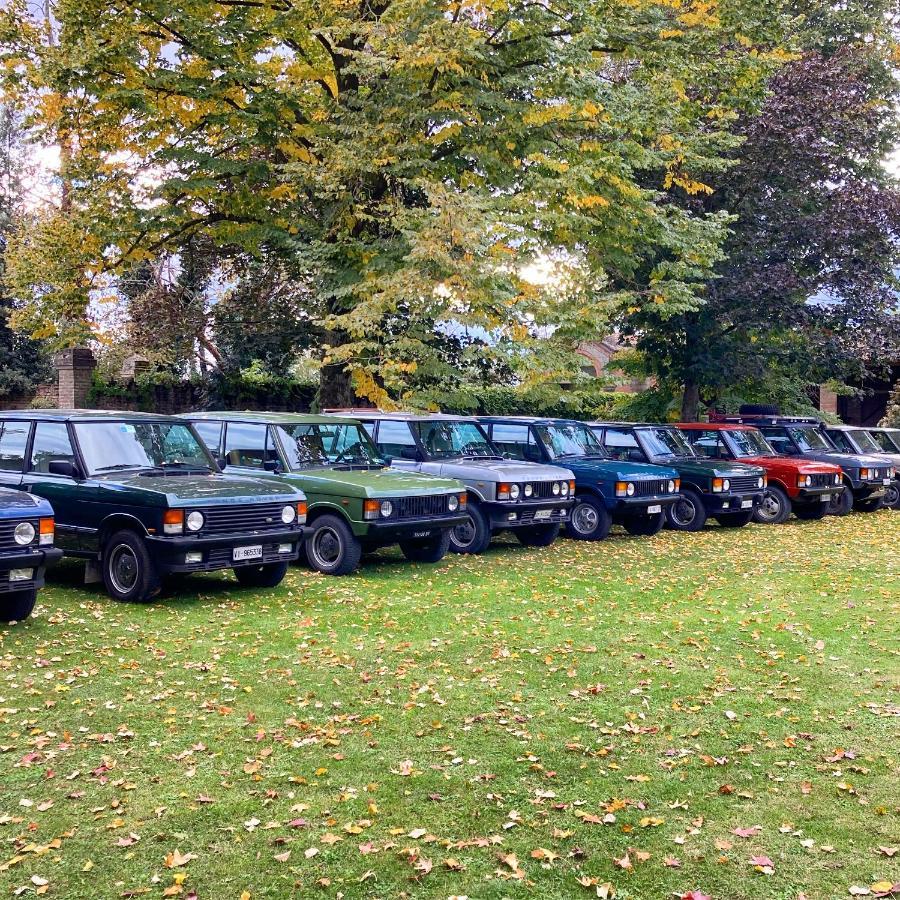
(746, 504)
(421, 534)
(543, 514)
(887, 481)
(825, 498)
(242, 553)
(653, 510)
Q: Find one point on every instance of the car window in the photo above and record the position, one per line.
(707, 443)
(885, 442)
(247, 444)
(51, 444)
(211, 432)
(620, 443)
(112, 446)
(393, 437)
(448, 438)
(810, 438)
(13, 439)
(320, 444)
(516, 441)
(841, 441)
(780, 440)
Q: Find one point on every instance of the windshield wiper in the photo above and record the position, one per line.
(118, 467)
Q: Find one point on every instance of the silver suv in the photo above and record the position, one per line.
(530, 499)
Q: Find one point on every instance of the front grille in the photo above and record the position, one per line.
(822, 480)
(878, 474)
(8, 541)
(543, 490)
(651, 488)
(743, 483)
(256, 517)
(421, 507)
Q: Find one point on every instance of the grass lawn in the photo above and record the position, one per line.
(639, 718)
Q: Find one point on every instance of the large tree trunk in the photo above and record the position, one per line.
(690, 402)
(335, 388)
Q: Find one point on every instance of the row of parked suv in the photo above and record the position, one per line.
(139, 496)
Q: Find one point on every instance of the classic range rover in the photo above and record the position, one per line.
(138, 497)
(865, 477)
(730, 492)
(888, 439)
(26, 549)
(851, 439)
(528, 499)
(802, 486)
(634, 495)
(356, 503)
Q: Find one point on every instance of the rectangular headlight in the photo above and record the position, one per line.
(502, 491)
(21, 574)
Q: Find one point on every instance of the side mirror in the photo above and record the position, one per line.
(411, 453)
(272, 465)
(62, 467)
(221, 462)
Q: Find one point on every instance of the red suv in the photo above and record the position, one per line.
(804, 487)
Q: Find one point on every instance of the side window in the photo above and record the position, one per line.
(841, 441)
(780, 441)
(620, 443)
(51, 444)
(706, 443)
(245, 445)
(13, 438)
(513, 440)
(393, 437)
(370, 429)
(211, 434)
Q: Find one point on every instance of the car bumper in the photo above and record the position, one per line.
(867, 490)
(812, 496)
(170, 554)
(36, 560)
(643, 506)
(388, 532)
(731, 503)
(525, 513)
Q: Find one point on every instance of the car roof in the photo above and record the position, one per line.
(398, 416)
(605, 424)
(717, 426)
(85, 415)
(531, 420)
(843, 427)
(266, 418)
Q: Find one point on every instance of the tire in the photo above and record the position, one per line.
(775, 508)
(332, 548)
(537, 535)
(17, 605)
(472, 536)
(645, 526)
(841, 503)
(891, 499)
(811, 513)
(736, 520)
(266, 576)
(687, 513)
(429, 550)
(589, 519)
(759, 409)
(868, 506)
(129, 574)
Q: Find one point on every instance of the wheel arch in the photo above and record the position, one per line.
(119, 522)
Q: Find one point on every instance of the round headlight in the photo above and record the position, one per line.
(726, 485)
(564, 487)
(529, 490)
(630, 489)
(194, 521)
(837, 479)
(514, 491)
(453, 503)
(24, 533)
(387, 508)
(288, 513)
(759, 483)
(671, 487)
(556, 488)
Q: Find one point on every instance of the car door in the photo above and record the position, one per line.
(14, 434)
(622, 444)
(249, 446)
(707, 444)
(516, 441)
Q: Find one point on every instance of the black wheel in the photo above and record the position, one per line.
(428, 550)
(17, 605)
(841, 503)
(589, 519)
(687, 513)
(811, 512)
(266, 576)
(775, 507)
(332, 548)
(473, 535)
(645, 526)
(537, 535)
(869, 505)
(129, 574)
(891, 499)
(736, 520)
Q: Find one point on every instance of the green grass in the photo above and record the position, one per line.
(445, 717)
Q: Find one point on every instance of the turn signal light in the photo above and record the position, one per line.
(502, 491)
(371, 509)
(302, 509)
(46, 530)
(572, 487)
(173, 521)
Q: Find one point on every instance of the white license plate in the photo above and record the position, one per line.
(543, 514)
(653, 510)
(746, 504)
(887, 480)
(825, 498)
(241, 553)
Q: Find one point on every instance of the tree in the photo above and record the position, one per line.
(406, 158)
(806, 288)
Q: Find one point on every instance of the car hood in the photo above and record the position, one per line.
(847, 460)
(588, 467)
(714, 468)
(801, 465)
(892, 458)
(378, 483)
(503, 470)
(15, 504)
(197, 490)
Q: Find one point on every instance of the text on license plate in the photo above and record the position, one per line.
(247, 553)
(653, 510)
(746, 504)
(825, 498)
(887, 480)
(543, 514)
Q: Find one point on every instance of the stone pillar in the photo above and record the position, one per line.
(74, 370)
(828, 400)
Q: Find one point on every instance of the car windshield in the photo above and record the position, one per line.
(749, 443)
(112, 446)
(809, 438)
(446, 438)
(569, 440)
(865, 442)
(664, 442)
(320, 444)
(889, 442)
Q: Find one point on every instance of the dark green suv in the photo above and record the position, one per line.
(139, 497)
(356, 503)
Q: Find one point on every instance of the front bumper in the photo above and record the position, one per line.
(643, 506)
(870, 490)
(387, 531)
(36, 560)
(522, 513)
(812, 495)
(732, 503)
(216, 551)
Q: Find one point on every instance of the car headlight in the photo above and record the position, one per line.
(630, 489)
(387, 508)
(760, 483)
(288, 514)
(195, 520)
(502, 491)
(837, 479)
(564, 488)
(24, 533)
(803, 481)
(514, 491)
(529, 490)
(556, 488)
(453, 503)
(671, 486)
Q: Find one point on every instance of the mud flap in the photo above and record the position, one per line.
(92, 574)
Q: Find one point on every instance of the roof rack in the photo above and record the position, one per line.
(770, 420)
